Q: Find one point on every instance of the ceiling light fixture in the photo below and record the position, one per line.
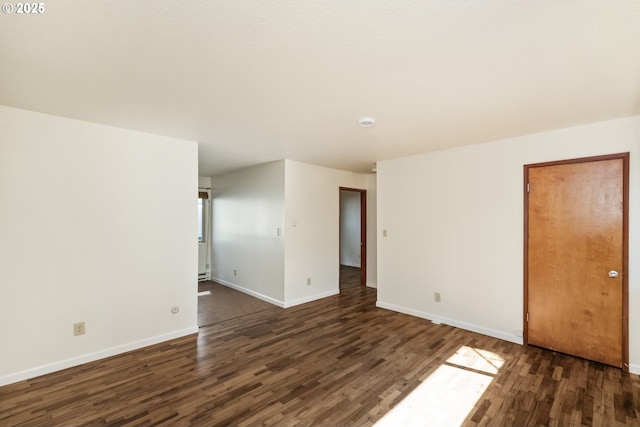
(366, 122)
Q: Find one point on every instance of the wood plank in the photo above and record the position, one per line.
(338, 361)
(217, 303)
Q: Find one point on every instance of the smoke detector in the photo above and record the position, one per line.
(366, 122)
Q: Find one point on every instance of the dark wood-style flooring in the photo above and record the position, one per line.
(217, 303)
(339, 361)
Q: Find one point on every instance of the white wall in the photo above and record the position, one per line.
(455, 225)
(97, 224)
(248, 210)
(250, 205)
(372, 230)
(312, 229)
(204, 182)
(350, 228)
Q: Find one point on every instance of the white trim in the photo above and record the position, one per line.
(250, 292)
(281, 304)
(90, 357)
(372, 285)
(452, 322)
(310, 298)
(634, 369)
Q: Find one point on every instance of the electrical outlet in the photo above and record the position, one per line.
(235, 272)
(308, 281)
(78, 329)
(436, 296)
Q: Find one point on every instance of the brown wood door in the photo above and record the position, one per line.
(576, 227)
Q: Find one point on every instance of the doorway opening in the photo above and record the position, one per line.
(204, 233)
(353, 236)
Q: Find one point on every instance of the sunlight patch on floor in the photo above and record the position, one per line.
(477, 359)
(204, 293)
(447, 396)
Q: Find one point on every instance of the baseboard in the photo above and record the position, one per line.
(452, 322)
(310, 298)
(634, 369)
(91, 357)
(372, 285)
(250, 292)
(281, 304)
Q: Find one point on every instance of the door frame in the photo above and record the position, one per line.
(625, 243)
(204, 194)
(363, 231)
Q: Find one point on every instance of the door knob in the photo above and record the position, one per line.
(613, 274)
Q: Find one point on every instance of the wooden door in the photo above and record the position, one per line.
(576, 257)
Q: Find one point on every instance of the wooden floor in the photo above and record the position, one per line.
(339, 361)
(218, 303)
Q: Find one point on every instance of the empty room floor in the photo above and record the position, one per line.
(333, 362)
(217, 303)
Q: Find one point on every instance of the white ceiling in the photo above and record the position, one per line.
(255, 81)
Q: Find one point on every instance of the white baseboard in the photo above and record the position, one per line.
(90, 357)
(281, 304)
(372, 285)
(255, 294)
(634, 369)
(310, 298)
(452, 322)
